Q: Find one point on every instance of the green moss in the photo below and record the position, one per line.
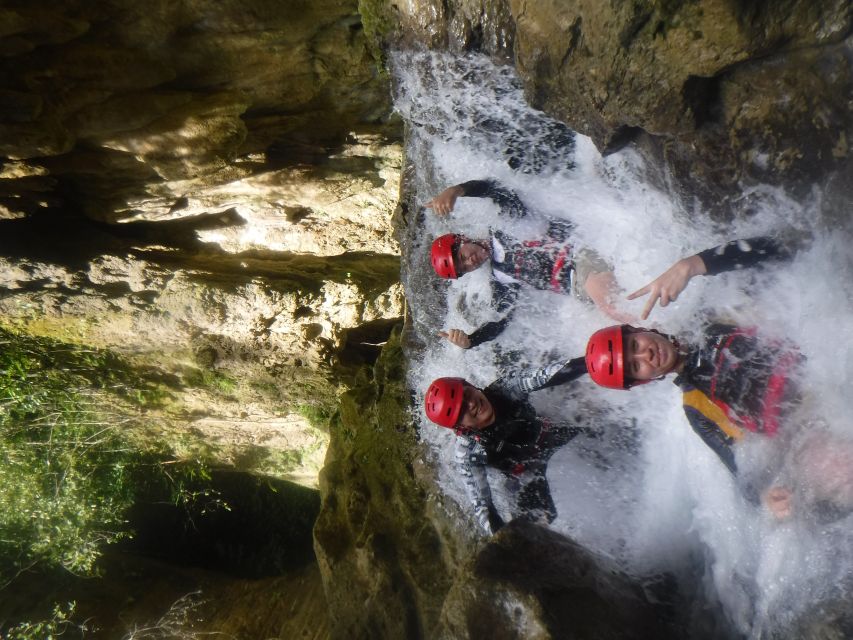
(318, 415)
(211, 379)
(72, 458)
(372, 495)
(378, 26)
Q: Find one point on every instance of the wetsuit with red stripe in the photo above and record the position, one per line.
(544, 263)
(737, 382)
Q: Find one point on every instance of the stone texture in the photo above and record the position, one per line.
(176, 91)
(206, 188)
(730, 94)
(719, 95)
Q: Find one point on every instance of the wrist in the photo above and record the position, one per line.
(696, 266)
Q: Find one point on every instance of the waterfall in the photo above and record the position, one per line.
(642, 489)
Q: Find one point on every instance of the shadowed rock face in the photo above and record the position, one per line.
(142, 96)
(722, 94)
(206, 187)
(730, 94)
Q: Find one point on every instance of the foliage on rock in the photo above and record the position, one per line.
(71, 465)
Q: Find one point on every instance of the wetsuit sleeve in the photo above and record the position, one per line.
(742, 254)
(519, 385)
(471, 460)
(488, 331)
(721, 444)
(504, 297)
(509, 202)
(560, 230)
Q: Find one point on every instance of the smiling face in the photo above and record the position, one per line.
(648, 355)
(477, 412)
(470, 255)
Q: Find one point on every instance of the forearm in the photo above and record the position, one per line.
(509, 202)
(521, 384)
(488, 332)
(471, 460)
(475, 188)
(742, 254)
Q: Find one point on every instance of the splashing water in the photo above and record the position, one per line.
(648, 492)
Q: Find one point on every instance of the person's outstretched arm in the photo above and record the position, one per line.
(738, 254)
(471, 459)
(504, 297)
(508, 201)
(518, 385)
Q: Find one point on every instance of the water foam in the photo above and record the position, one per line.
(657, 506)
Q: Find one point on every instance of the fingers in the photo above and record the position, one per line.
(457, 337)
(441, 205)
(640, 292)
(778, 501)
(650, 303)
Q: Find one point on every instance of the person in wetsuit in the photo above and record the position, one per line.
(734, 382)
(549, 263)
(497, 427)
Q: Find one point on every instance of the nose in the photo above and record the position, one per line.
(470, 404)
(645, 354)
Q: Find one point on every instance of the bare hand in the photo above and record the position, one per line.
(457, 337)
(602, 289)
(670, 284)
(778, 501)
(444, 202)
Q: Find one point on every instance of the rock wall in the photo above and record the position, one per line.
(207, 188)
(722, 95)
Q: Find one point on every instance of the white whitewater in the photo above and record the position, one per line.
(658, 506)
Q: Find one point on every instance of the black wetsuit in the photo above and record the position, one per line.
(519, 444)
(545, 263)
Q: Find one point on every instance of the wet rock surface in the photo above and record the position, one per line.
(723, 96)
(399, 560)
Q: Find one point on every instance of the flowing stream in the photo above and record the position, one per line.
(644, 490)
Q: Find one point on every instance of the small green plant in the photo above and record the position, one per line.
(211, 379)
(68, 469)
(51, 629)
(377, 26)
(318, 415)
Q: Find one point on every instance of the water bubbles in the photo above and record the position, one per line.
(645, 491)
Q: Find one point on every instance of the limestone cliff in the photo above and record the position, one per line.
(205, 187)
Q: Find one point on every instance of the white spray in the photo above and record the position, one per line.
(670, 499)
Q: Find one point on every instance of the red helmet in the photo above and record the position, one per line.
(443, 401)
(604, 357)
(442, 255)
